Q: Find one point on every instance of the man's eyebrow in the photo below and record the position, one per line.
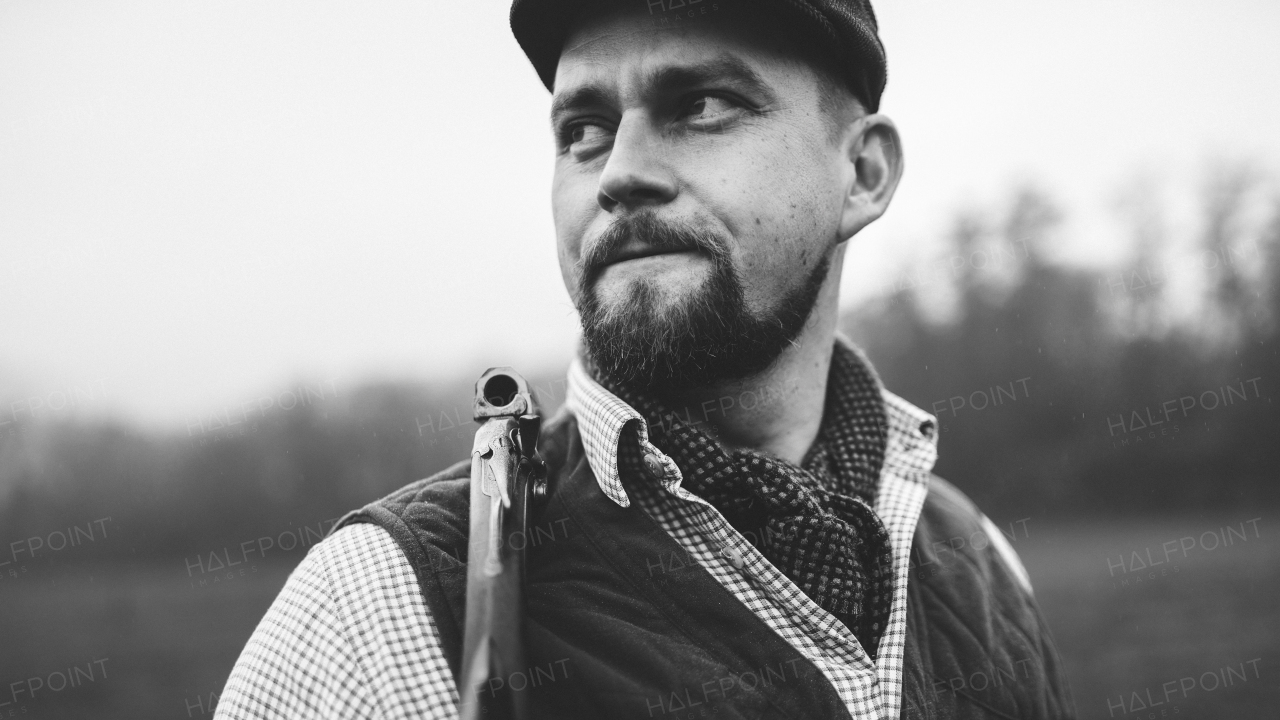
(585, 96)
(725, 68)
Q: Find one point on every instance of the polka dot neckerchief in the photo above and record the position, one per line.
(814, 522)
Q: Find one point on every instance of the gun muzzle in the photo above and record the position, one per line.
(504, 464)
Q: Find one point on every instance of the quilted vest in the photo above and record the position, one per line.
(621, 624)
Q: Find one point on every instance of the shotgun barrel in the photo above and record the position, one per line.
(505, 470)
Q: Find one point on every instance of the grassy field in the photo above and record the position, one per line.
(1206, 618)
(157, 647)
(168, 645)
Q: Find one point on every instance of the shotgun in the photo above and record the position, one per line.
(505, 471)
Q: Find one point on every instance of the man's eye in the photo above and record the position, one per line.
(707, 106)
(585, 134)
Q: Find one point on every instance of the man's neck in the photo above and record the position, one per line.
(778, 411)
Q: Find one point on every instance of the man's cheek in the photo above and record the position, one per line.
(570, 246)
(573, 208)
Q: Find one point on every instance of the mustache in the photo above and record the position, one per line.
(653, 232)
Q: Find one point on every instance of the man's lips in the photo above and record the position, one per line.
(637, 252)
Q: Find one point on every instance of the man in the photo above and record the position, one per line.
(741, 522)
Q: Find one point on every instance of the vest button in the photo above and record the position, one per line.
(654, 466)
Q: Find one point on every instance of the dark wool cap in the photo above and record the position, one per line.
(842, 33)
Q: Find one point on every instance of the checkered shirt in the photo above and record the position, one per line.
(350, 635)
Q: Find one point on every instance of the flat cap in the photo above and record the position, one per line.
(842, 33)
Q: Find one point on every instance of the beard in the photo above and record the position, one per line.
(706, 338)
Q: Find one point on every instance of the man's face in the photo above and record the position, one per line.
(696, 176)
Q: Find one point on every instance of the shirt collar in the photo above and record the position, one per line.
(602, 417)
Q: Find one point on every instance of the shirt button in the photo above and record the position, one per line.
(654, 466)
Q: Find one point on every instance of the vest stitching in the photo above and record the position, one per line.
(571, 505)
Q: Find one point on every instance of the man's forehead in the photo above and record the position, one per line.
(594, 84)
(626, 48)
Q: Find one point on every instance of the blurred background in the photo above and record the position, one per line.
(249, 254)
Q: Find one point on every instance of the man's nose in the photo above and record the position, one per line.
(638, 171)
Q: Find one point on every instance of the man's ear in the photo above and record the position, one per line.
(872, 154)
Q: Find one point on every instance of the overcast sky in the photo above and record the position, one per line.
(202, 202)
